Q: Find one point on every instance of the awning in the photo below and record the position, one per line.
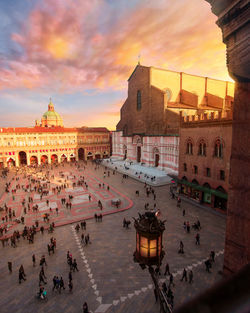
(217, 193)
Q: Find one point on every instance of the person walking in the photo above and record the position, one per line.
(74, 266)
(34, 260)
(167, 270)
(208, 265)
(70, 276)
(212, 256)
(61, 285)
(70, 285)
(85, 308)
(197, 237)
(190, 277)
(21, 274)
(10, 267)
(181, 250)
(184, 275)
(82, 238)
(171, 280)
(41, 278)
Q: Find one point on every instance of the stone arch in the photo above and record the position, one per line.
(72, 157)
(97, 155)
(11, 162)
(202, 140)
(81, 154)
(194, 181)
(64, 158)
(33, 160)
(90, 156)
(156, 156)
(219, 146)
(54, 158)
(189, 143)
(206, 185)
(22, 155)
(44, 159)
(105, 155)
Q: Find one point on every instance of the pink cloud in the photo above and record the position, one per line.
(65, 47)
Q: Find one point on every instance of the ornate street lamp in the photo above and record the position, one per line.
(149, 252)
(149, 232)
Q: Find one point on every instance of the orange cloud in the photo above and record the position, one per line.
(65, 46)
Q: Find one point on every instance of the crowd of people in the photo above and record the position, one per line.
(42, 187)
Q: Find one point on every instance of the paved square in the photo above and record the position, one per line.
(108, 279)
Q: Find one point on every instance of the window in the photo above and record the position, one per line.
(222, 175)
(218, 149)
(138, 100)
(189, 148)
(202, 149)
(208, 172)
(195, 169)
(185, 167)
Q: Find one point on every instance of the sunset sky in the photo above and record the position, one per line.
(81, 53)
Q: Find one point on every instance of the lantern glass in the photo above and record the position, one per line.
(153, 248)
(144, 247)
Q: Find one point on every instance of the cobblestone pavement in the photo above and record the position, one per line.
(82, 207)
(108, 279)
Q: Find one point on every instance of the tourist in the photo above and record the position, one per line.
(41, 278)
(61, 285)
(190, 277)
(70, 275)
(10, 267)
(70, 284)
(85, 308)
(208, 265)
(34, 260)
(184, 275)
(171, 280)
(197, 238)
(181, 250)
(167, 272)
(212, 256)
(74, 266)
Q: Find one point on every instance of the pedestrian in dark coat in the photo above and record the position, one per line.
(10, 267)
(184, 275)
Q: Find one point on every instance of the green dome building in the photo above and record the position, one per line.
(51, 118)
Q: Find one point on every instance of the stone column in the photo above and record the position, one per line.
(233, 19)
(28, 158)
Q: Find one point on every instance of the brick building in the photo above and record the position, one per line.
(204, 159)
(50, 142)
(148, 131)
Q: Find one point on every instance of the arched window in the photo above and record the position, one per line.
(138, 100)
(189, 148)
(218, 149)
(202, 148)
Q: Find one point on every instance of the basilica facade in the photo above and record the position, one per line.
(149, 128)
(50, 142)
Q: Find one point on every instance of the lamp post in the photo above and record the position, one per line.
(149, 252)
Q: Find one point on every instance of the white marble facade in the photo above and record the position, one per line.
(154, 151)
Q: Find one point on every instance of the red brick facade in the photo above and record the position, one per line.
(204, 159)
